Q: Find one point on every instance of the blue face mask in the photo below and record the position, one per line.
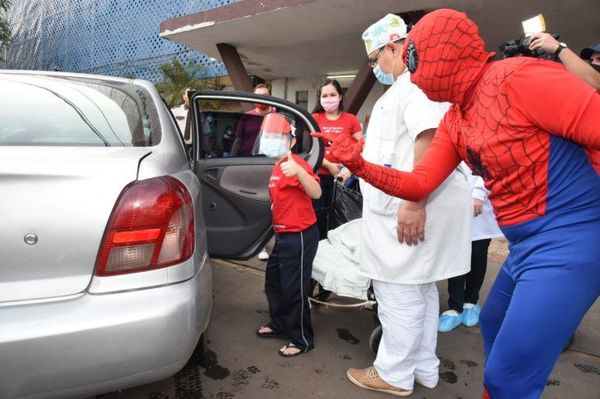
(274, 147)
(383, 78)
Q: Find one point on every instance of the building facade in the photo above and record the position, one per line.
(108, 37)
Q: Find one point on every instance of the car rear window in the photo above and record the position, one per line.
(61, 111)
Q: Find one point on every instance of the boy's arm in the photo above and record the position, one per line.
(311, 185)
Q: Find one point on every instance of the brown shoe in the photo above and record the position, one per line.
(369, 379)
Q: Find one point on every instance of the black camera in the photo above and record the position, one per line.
(520, 47)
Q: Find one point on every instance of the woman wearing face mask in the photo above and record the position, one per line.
(331, 118)
(287, 280)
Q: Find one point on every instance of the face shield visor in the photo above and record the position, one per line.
(275, 136)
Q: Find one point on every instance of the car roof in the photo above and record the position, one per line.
(79, 76)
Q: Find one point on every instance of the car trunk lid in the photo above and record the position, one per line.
(56, 202)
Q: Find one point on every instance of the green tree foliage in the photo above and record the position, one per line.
(4, 27)
(177, 77)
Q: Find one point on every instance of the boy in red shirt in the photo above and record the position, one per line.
(292, 186)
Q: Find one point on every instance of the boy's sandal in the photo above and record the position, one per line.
(290, 345)
(270, 334)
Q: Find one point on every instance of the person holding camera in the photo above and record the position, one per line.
(589, 72)
(522, 124)
(546, 42)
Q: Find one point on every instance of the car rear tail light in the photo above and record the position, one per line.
(151, 226)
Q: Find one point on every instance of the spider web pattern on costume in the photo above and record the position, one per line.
(509, 152)
(450, 55)
(513, 153)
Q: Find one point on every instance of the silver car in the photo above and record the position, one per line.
(107, 219)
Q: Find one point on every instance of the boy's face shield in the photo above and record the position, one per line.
(274, 145)
(275, 136)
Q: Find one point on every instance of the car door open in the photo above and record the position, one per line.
(235, 193)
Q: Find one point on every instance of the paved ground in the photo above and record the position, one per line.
(240, 365)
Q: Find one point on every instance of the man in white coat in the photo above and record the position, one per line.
(406, 246)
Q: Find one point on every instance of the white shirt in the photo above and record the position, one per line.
(398, 117)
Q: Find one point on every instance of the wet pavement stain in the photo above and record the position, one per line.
(223, 395)
(270, 384)
(345, 357)
(587, 369)
(449, 377)
(447, 363)
(346, 335)
(253, 369)
(319, 371)
(468, 363)
(243, 376)
(212, 368)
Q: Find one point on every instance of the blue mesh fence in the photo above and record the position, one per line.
(109, 37)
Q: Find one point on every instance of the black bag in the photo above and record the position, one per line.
(347, 205)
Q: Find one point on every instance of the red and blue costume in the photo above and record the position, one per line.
(529, 128)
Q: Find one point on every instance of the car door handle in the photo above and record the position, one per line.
(248, 192)
(212, 174)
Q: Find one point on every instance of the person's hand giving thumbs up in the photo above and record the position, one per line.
(289, 167)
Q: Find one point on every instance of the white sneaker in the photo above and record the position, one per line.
(263, 255)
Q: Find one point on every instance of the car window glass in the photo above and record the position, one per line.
(42, 110)
(230, 128)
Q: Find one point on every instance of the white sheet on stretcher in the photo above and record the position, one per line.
(337, 263)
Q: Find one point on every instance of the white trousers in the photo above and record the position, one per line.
(409, 316)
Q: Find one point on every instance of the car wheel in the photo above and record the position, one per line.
(375, 338)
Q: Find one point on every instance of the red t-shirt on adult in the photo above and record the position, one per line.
(346, 124)
(291, 207)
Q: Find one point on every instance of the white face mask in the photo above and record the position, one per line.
(274, 147)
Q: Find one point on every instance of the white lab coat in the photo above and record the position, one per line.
(484, 224)
(397, 118)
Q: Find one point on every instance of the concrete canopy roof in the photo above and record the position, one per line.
(295, 38)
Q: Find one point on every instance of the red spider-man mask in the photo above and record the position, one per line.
(445, 55)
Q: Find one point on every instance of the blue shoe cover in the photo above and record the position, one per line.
(471, 314)
(449, 320)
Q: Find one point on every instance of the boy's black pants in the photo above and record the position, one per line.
(288, 282)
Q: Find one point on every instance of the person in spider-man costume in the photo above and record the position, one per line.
(524, 126)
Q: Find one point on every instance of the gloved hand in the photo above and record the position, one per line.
(345, 149)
